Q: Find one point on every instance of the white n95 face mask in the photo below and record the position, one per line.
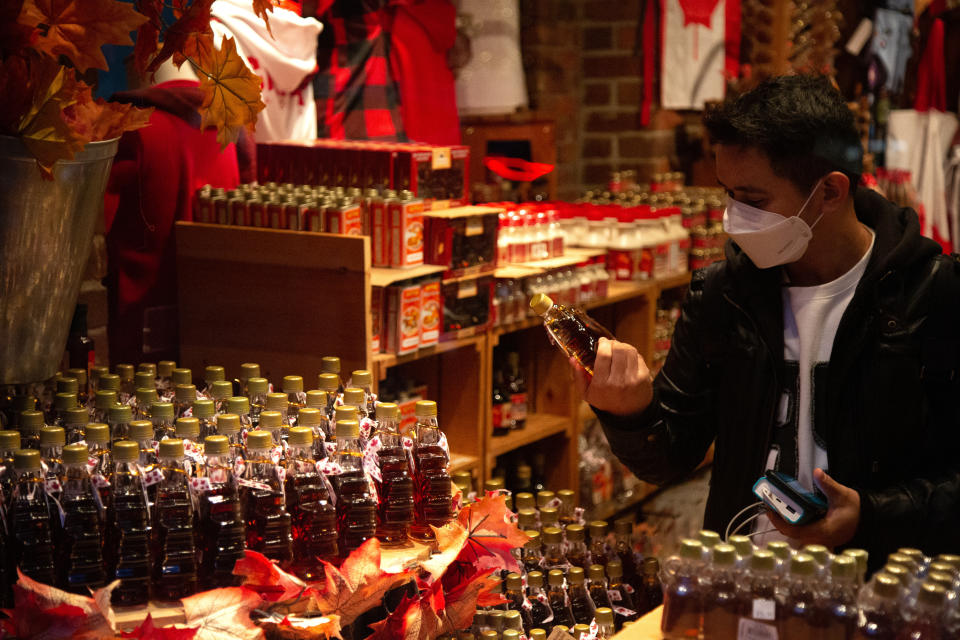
(768, 238)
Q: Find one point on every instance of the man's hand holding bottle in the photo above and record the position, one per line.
(621, 383)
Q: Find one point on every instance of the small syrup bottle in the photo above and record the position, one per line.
(568, 506)
(62, 402)
(75, 421)
(329, 383)
(363, 379)
(141, 432)
(183, 398)
(296, 398)
(540, 613)
(145, 378)
(161, 414)
(228, 426)
(80, 561)
(272, 422)
(102, 402)
(30, 424)
(262, 498)
(312, 418)
(221, 528)
(550, 518)
(188, 430)
(682, 600)
(118, 417)
(257, 389)
(431, 481)
(240, 406)
(175, 566)
(527, 519)
(839, 599)
(98, 447)
(597, 586)
(126, 391)
(722, 601)
(165, 379)
(356, 506)
(83, 386)
(127, 544)
(355, 397)
(182, 375)
(30, 539)
(623, 549)
(573, 331)
(395, 489)
(212, 375)
(52, 441)
(576, 548)
(580, 603)
(205, 412)
(516, 598)
(331, 365)
(531, 556)
(605, 625)
(553, 557)
(558, 599)
(619, 595)
(599, 554)
(313, 516)
(144, 400)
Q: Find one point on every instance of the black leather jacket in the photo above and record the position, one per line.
(890, 418)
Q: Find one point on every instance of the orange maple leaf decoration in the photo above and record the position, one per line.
(222, 614)
(491, 534)
(231, 92)
(78, 28)
(263, 576)
(358, 585)
(42, 611)
(260, 8)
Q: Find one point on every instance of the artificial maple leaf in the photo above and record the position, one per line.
(101, 120)
(78, 28)
(197, 46)
(266, 578)
(231, 92)
(463, 600)
(147, 42)
(191, 21)
(44, 131)
(149, 631)
(41, 611)
(413, 619)
(223, 614)
(303, 628)
(358, 585)
(261, 7)
(451, 539)
(491, 534)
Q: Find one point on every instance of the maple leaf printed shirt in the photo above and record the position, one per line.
(811, 316)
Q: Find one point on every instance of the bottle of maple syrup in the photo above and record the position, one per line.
(30, 540)
(127, 544)
(52, 441)
(531, 554)
(541, 615)
(188, 430)
(103, 400)
(62, 402)
(597, 587)
(161, 415)
(363, 379)
(184, 395)
(221, 527)
(598, 542)
(126, 373)
(74, 422)
(247, 370)
(80, 561)
(228, 426)
(723, 603)
(220, 392)
(278, 402)
(313, 516)
(624, 607)
(30, 424)
(165, 379)
(576, 547)
(553, 556)
(329, 383)
(331, 365)
(144, 399)
(574, 332)
(356, 506)
(118, 417)
(312, 418)
(98, 447)
(257, 389)
(175, 566)
(262, 499)
(204, 411)
(558, 599)
(395, 488)
(296, 398)
(516, 599)
(580, 603)
(431, 481)
(240, 407)
(272, 421)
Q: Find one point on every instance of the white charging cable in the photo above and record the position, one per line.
(727, 533)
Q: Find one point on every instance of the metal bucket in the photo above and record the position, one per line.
(46, 230)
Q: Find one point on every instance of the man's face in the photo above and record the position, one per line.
(745, 173)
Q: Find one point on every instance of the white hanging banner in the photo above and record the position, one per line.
(693, 60)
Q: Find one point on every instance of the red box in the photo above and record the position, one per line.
(462, 239)
(466, 307)
(403, 318)
(376, 319)
(405, 232)
(431, 312)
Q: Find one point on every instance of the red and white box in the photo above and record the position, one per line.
(406, 232)
(403, 318)
(431, 313)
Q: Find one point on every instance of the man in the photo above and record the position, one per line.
(827, 341)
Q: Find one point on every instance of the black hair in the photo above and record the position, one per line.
(800, 122)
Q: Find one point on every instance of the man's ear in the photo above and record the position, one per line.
(836, 189)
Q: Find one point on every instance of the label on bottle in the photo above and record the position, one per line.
(614, 595)
(329, 468)
(200, 485)
(150, 477)
(99, 481)
(753, 630)
(371, 459)
(628, 588)
(253, 484)
(518, 408)
(52, 485)
(331, 448)
(764, 609)
(626, 613)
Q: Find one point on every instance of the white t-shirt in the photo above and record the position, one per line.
(811, 316)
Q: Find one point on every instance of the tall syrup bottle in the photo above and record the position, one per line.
(312, 418)
(264, 507)
(431, 481)
(221, 528)
(79, 556)
(312, 512)
(356, 506)
(175, 565)
(395, 489)
(574, 332)
(296, 398)
(363, 379)
(30, 541)
(127, 544)
(98, 446)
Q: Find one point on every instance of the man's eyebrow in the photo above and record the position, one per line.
(746, 188)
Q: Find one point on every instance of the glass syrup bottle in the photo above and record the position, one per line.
(127, 544)
(530, 555)
(682, 598)
(605, 625)
(761, 598)
(184, 396)
(597, 586)
(143, 380)
(925, 620)
(165, 379)
(723, 603)
(354, 397)
(205, 412)
(599, 553)
(363, 379)
(278, 402)
(144, 400)
(141, 432)
(527, 519)
(240, 406)
(98, 447)
(126, 373)
(557, 596)
(62, 403)
(188, 430)
(272, 421)
(75, 422)
(30, 541)
(312, 418)
(395, 489)
(516, 599)
(431, 480)
(118, 417)
(880, 615)
(83, 386)
(356, 506)
(162, 416)
(839, 600)
(257, 390)
(103, 400)
(568, 506)
(623, 549)
(550, 518)
(576, 548)
(313, 516)
(268, 522)
(221, 528)
(296, 398)
(541, 615)
(247, 370)
(52, 441)
(331, 365)
(30, 424)
(174, 545)
(228, 426)
(553, 557)
(580, 603)
(574, 332)
(799, 618)
(624, 606)
(80, 560)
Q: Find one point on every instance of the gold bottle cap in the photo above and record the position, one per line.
(524, 501)
(67, 385)
(271, 419)
(147, 367)
(75, 454)
(623, 527)
(916, 554)
(64, 401)
(604, 615)
(30, 421)
(308, 417)
(98, 372)
(80, 375)
(26, 460)
(549, 516)
(165, 368)
(301, 436)
(763, 560)
(493, 484)
(841, 567)
(575, 575)
(899, 572)
(185, 393)
(140, 430)
(938, 577)
(109, 382)
(526, 518)
(354, 396)
(552, 535)
(146, 397)
(514, 582)
(886, 586)
(228, 424)
(328, 382)
(932, 594)
(187, 428)
(277, 402)
(780, 549)
(651, 566)
(489, 634)
(120, 414)
(426, 409)
(614, 569)
(861, 556)
(292, 384)
(510, 634)
(221, 389)
(535, 579)
(182, 375)
(9, 440)
(555, 578)
(742, 544)
(575, 533)
(533, 539)
(259, 439)
(257, 385)
(125, 451)
(949, 558)
(97, 433)
(389, 410)
(538, 634)
(689, 548)
(942, 567)
(567, 497)
(317, 399)
(544, 498)
(708, 539)
(125, 371)
(77, 415)
(144, 380)
(216, 445)
(362, 378)
(724, 554)
(345, 412)
(579, 630)
(52, 436)
(330, 364)
(239, 405)
(214, 373)
(596, 573)
(348, 429)
(540, 303)
(161, 410)
(171, 448)
(820, 554)
(203, 408)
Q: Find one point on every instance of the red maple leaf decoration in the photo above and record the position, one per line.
(149, 631)
(266, 578)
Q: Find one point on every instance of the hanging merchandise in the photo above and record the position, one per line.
(918, 139)
(492, 82)
(285, 58)
(891, 44)
(953, 195)
(693, 58)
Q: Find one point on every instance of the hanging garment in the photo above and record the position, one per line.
(953, 195)
(285, 62)
(693, 59)
(891, 44)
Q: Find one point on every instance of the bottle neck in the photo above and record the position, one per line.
(300, 458)
(76, 479)
(126, 475)
(28, 480)
(428, 431)
(389, 432)
(219, 468)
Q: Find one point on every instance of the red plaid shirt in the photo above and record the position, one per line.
(356, 96)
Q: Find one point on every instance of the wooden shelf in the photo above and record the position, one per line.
(461, 462)
(384, 361)
(385, 276)
(672, 282)
(538, 427)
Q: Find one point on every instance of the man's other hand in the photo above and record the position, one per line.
(835, 528)
(621, 382)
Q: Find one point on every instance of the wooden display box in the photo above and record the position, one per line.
(462, 239)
